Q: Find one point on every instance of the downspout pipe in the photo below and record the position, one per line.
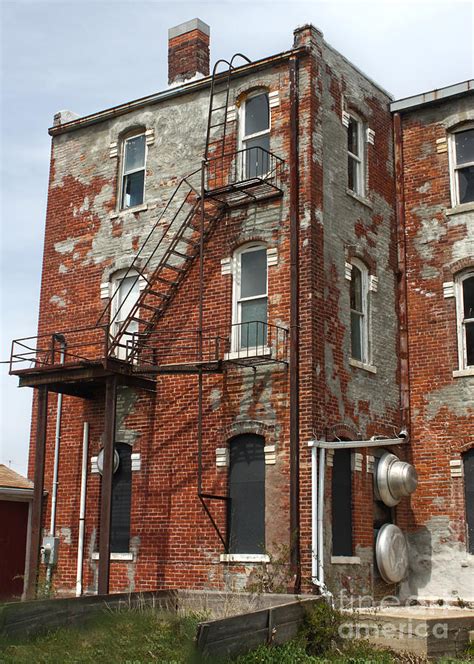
(57, 445)
(295, 558)
(82, 509)
(402, 283)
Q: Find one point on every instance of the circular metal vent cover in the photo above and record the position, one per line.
(100, 461)
(394, 479)
(391, 553)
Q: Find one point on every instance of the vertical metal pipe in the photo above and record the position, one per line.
(314, 514)
(294, 328)
(82, 509)
(201, 295)
(106, 490)
(402, 284)
(322, 473)
(37, 507)
(57, 442)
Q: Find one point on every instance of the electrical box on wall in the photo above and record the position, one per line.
(49, 550)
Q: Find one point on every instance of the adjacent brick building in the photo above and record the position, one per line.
(230, 328)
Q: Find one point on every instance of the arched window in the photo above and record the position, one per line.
(355, 156)
(465, 318)
(255, 135)
(246, 515)
(250, 299)
(132, 185)
(125, 289)
(462, 165)
(359, 303)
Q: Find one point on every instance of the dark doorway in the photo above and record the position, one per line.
(342, 504)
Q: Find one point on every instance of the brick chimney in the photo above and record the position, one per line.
(188, 51)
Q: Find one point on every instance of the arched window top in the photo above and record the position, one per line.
(132, 130)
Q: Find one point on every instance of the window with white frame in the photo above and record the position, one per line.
(250, 298)
(255, 135)
(462, 165)
(125, 289)
(359, 303)
(355, 156)
(133, 171)
(465, 318)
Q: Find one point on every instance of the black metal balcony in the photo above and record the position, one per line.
(244, 176)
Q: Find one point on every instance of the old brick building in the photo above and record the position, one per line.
(220, 373)
(435, 139)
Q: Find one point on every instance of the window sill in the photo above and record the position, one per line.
(247, 353)
(459, 373)
(134, 210)
(345, 560)
(244, 558)
(362, 365)
(459, 209)
(361, 199)
(119, 557)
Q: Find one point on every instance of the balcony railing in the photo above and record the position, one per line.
(250, 343)
(248, 174)
(66, 348)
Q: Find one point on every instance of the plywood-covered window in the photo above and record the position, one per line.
(342, 504)
(121, 501)
(246, 515)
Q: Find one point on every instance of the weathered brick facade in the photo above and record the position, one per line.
(439, 247)
(88, 239)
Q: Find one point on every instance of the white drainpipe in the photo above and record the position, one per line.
(57, 444)
(82, 509)
(320, 515)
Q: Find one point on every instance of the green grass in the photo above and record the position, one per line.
(129, 636)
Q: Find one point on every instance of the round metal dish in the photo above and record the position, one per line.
(394, 479)
(100, 461)
(391, 553)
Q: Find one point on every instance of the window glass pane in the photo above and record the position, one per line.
(356, 336)
(468, 297)
(464, 146)
(256, 157)
(127, 296)
(253, 265)
(257, 114)
(121, 501)
(353, 169)
(466, 184)
(470, 344)
(134, 153)
(353, 136)
(133, 186)
(356, 289)
(247, 495)
(253, 328)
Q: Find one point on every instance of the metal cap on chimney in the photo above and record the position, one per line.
(188, 51)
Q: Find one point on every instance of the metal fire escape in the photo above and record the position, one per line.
(134, 350)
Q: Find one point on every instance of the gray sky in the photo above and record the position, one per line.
(86, 56)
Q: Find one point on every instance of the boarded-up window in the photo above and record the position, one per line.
(469, 495)
(121, 501)
(247, 495)
(342, 504)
